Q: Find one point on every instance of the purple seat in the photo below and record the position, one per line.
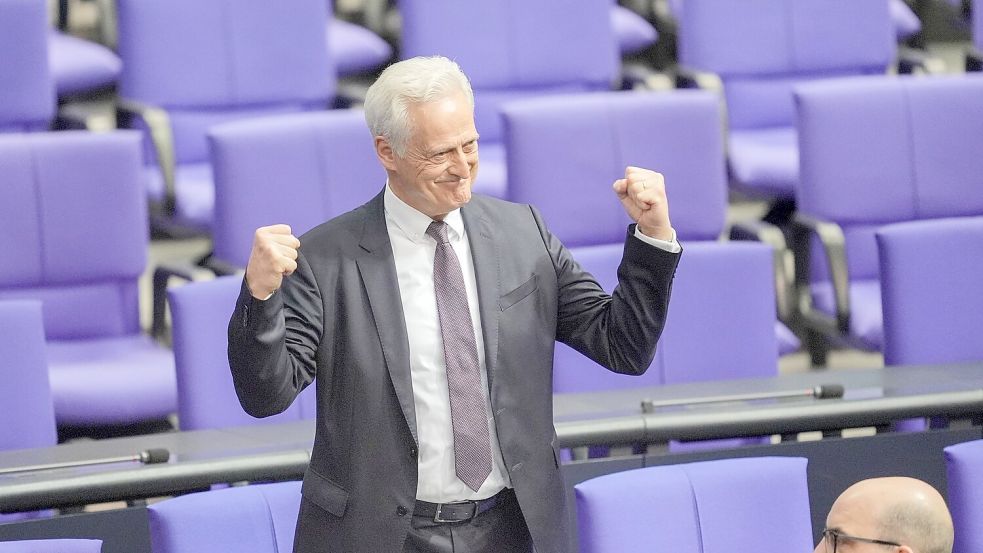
(307, 168)
(198, 64)
(964, 471)
(940, 323)
(51, 546)
(354, 48)
(877, 150)
(75, 237)
(206, 395)
(707, 507)
(27, 96)
(632, 31)
(520, 49)
(26, 393)
(906, 23)
(248, 519)
(588, 140)
(760, 51)
(79, 65)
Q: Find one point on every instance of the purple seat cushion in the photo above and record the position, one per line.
(788, 342)
(52, 546)
(765, 161)
(111, 380)
(194, 191)
(354, 48)
(633, 32)
(79, 65)
(906, 23)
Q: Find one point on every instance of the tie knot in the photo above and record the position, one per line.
(438, 231)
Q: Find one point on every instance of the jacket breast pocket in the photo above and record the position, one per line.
(519, 293)
(324, 493)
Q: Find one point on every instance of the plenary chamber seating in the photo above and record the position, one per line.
(964, 471)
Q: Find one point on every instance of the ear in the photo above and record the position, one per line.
(384, 151)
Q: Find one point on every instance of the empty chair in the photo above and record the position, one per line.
(938, 323)
(589, 139)
(51, 546)
(188, 65)
(206, 395)
(760, 50)
(75, 235)
(247, 519)
(874, 151)
(519, 49)
(27, 96)
(964, 471)
(296, 169)
(707, 507)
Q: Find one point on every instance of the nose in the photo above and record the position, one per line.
(460, 166)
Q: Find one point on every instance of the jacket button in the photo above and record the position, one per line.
(400, 511)
(413, 451)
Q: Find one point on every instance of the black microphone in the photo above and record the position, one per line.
(824, 391)
(146, 457)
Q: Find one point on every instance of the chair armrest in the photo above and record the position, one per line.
(831, 238)
(686, 77)
(80, 117)
(162, 138)
(911, 60)
(783, 263)
(161, 278)
(974, 60)
(221, 267)
(636, 76)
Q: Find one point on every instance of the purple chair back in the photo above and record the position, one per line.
(762, 48)
(52, 546)
(965, 494)
(75, 229)
(977, 24)
(515, 48)
(26, 393)
(938, 324)
(206, 395)
(735, 314)
(209, 62)
(296, 169)
(706, 507)
(248, 519)
(879, 150)
(589, 139)
(27, 96)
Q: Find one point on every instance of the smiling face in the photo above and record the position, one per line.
(436, 172)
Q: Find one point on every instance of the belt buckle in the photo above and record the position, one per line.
(474, 512)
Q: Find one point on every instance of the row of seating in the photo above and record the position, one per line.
(757, 503)
(105, 372)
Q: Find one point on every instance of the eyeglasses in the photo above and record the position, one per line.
(832, 538)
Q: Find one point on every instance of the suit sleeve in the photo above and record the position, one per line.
(273, 343)
(618, 331)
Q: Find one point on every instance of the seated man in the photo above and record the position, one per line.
(888, 515)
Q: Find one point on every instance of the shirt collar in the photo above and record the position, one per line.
(414, 223)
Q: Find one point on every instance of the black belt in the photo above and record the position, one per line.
(458, 511)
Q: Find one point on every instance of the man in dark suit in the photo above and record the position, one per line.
(429, 318)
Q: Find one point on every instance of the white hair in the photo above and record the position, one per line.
(420, 79)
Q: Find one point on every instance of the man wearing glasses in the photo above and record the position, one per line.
(888, 515)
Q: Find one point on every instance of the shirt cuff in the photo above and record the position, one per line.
(671, 246)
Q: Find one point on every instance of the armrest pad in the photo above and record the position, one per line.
(833, 242)
(162, 138)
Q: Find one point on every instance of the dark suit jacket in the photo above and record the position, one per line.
(338, 317)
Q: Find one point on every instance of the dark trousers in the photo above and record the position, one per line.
(501, 529)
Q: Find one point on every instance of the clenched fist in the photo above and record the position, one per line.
(643, 194)
(274, 255)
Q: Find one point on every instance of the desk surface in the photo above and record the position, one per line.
(281, 451)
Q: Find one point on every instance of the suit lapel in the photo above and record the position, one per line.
(378, 272)
(484, 254)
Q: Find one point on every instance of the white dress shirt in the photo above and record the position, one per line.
(414, 253)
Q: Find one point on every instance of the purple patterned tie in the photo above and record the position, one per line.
(472, 445)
